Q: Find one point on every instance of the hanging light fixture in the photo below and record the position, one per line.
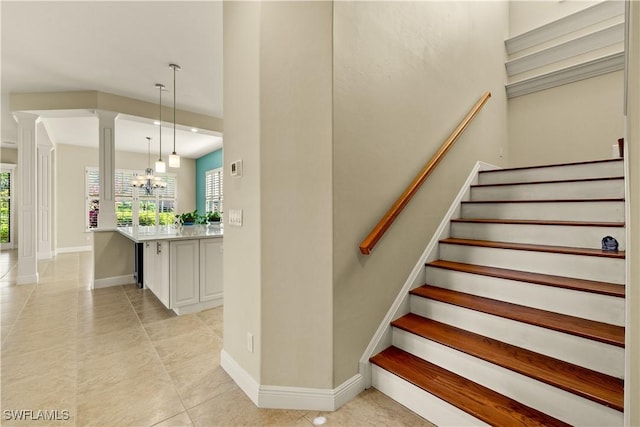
(148, 181)
(174, 159)
(161, 167)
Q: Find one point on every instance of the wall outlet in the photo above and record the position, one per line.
(250, 342)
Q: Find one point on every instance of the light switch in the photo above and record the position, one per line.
(235, 217)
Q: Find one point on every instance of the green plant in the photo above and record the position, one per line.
(212, 216)
(188, 217)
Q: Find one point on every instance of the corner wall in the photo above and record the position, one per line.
(405, 74)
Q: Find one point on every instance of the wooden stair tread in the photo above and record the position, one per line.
(592, 286)
(556, 181)
(554, 165)
(603, 200)
(536, 248)
(595, 386)
(479, 401)
(538, 222)
(598, 331)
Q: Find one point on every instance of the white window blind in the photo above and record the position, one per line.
(213, 190)
(125, 202)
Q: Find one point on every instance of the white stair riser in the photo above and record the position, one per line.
(556, 235)
(559, 211)
(579, 266)
(601, 308)
(553, 401)
(553, 191)
(553, 173)
(422, 403)
(591, 354)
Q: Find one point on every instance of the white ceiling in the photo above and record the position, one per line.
(118, 47)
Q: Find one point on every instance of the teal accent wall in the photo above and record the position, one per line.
(203, 164)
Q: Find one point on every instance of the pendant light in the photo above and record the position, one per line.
(161, 167)
(174, 159)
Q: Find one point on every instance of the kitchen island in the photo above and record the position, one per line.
(182, 266)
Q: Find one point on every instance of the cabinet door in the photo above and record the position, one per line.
(184, 273)
(162, 272)
(210, 269)
(149, 265)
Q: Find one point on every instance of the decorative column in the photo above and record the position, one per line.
(107, 169)
(45, 176)
(27, 198)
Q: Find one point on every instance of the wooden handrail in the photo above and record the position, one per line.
(378, 231)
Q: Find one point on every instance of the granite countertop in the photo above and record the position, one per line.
(168, 232)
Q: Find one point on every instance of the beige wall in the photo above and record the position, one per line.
(527, 15)
(277, 267)
(8, 155)
(242, 246)
(405, 74)
(70, 192)
(112, 255)
(632, 374)
(295, 157)
(575, 122)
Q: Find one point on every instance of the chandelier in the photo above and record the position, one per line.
(148, 181)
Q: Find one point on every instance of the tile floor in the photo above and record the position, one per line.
(117, 357)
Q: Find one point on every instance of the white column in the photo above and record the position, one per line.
(107, 168)
(27, 198)
(45, 177)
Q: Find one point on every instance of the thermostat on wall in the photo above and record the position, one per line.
(236, 168)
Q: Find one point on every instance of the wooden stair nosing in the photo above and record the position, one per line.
(595, 386)
(556, 181)
(551, 166)
(589, 329)
(535, 248)
(591, 286)
(599, 200)
(473, 398)
(538, 222)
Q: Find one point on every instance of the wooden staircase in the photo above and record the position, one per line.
(521, 318)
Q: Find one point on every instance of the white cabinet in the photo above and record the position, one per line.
(211, 270)
(184, 273)
(156, 269)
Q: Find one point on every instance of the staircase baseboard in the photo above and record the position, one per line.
(295, 398)
(382, 337)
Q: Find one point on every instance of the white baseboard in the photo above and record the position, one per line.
(241, 377)
(27, 279)
(113, 281)
(72, 249)
(44, 256)
(298, 398)
(400, 307)
(195, 308)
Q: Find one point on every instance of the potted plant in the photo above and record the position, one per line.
(212, 216)
(188, 218)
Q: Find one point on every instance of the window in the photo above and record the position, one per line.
(126, 200)
(6, 205)
(213, 190)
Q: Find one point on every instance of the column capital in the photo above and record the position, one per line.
(106, 114)
(22, 116)
(44, 142)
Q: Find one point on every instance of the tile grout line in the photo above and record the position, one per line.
(161, 361)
